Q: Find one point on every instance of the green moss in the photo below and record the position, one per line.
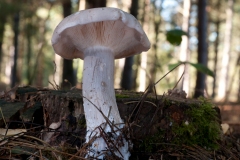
(122, 96)
(200, 126)
(81, 122)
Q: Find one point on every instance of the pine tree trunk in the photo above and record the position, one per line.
(216, 44)
(155, 64)
(14, 77)
(127, 75)
(202, 47)
(68, 76)
(96, 3)
(2, 24)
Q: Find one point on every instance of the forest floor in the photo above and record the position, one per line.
(230, 114)
(160, 127)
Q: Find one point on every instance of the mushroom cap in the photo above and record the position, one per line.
(109, 28)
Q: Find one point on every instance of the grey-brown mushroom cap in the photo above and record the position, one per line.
(110, 28)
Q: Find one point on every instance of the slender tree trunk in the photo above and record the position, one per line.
(29, 53)
(154, 65)
(184, 50)
(216, 44)
(2, 24)
(81, 5)
(14, 76)
(68, 76)
(232, 79)
(144, 58)
(215, 58)
(126, 79)
(238, 96)
(127, 75)
(40, 70)
(96, 3)
(223, 78)
(202, 46)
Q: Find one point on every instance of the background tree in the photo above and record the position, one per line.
(202, 47)
(224, 74)
(127, 74)
(38, 19)
(12, 10)
(238, 93)
(14, 77)
(95, 4)
(68, 75)
(143, 59)
(3, 19)
(184, 54)
(155, 62)
(217, 22)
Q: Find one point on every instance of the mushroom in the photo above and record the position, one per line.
(98, 36)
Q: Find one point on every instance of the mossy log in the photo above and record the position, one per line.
(151, 120)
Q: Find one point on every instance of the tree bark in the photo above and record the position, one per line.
(68, 76)
(127, 74)
(202, 47)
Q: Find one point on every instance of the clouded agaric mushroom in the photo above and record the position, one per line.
(98, 36)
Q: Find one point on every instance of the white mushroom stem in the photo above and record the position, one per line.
(98, 90)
